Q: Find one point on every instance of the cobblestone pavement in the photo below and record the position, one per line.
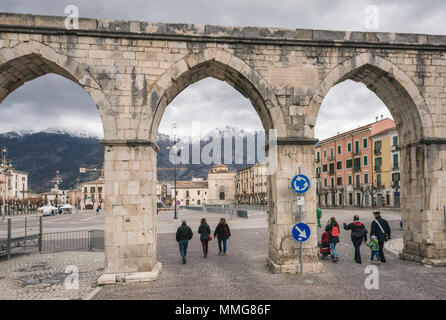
(242, 274)
(42, 276)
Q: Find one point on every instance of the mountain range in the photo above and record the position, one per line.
(41, 154)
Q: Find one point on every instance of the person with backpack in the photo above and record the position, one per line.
(359, 233)
(333, 237)
(374, 246)
(205, 236)
(381, 229)
(184, 234)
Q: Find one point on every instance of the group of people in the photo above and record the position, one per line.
(379, 234)
(221, 232)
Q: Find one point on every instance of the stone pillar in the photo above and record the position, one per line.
(130, 212)
(283, 253)
(423, 197)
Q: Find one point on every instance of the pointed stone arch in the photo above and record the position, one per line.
(391, 84)
(31, 59)
(221, 65)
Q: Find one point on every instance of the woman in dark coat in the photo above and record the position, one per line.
(222, 232)
(204, 232)
(333, 230)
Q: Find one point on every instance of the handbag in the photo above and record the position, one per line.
(209, 236)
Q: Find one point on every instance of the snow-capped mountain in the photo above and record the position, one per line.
(42, 153)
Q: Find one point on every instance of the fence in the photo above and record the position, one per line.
(20, 234)
(81, 240)
(25, 234)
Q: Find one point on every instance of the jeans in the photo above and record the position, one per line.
(334, 253)
(357, 244)
(204, 244)
(224, 245)
(183, 247)
(375, 253)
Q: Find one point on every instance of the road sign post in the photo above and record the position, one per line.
(300, 184)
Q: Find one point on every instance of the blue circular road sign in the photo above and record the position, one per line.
(178, 202)
(301, 232)
(300, 183)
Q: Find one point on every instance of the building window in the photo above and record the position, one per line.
(339, 181)
(357, 146)
(350, 180)
(332, 182)
(339, 165)
(187, 193)
(349, 147)
(318, 156)
(324, 168)
(222, 196)
(358, 181)
(366, 160)
(349, 163)
(378, 179)
(339, 149)
(364, 143)
(325, 153)
(395, 141)
(325, 182)
(198, 202)
(395, 161)
(85, 190)
(366, 178)
(198, 192)
(92, 190)
(99, 189)
(331, 152)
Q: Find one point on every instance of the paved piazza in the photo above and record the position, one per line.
(242, 274)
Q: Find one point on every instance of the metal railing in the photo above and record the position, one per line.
(81, 240)
(20, 235)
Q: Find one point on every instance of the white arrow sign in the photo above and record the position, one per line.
(301, 233)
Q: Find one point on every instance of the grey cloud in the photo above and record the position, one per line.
(213, 102)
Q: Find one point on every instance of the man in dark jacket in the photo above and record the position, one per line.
(184, 234)
(359, 233)
(381, 229)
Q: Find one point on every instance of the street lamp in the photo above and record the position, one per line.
(177, 152)
(6, 165)
(57, 180)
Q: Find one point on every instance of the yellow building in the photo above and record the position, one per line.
(386, 169)
(252, 184)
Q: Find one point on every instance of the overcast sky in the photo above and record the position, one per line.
(348, 105)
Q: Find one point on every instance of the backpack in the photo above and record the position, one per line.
(335, 231)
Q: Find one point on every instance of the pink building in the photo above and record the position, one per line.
(344, 166)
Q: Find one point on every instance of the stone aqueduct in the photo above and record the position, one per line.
(133, 70)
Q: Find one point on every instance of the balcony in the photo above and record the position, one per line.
(318, 160)
(356, 168)
(395, 184)
(331, 158)
(331, 172)
(318, 175)
(394, 147)
(377, 151)
(377, 168)
(356, 153)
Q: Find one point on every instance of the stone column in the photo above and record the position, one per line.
(423, 197)
(283, 253)
(130, 212)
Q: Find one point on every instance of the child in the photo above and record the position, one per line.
(373, 244)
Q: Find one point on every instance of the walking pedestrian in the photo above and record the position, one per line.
(97, 210)
(222, 232)
(374, 247)
(359, 233)
(333, 237)
(319, 216)
(184, 234)
(381, 229)
(205, 236)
